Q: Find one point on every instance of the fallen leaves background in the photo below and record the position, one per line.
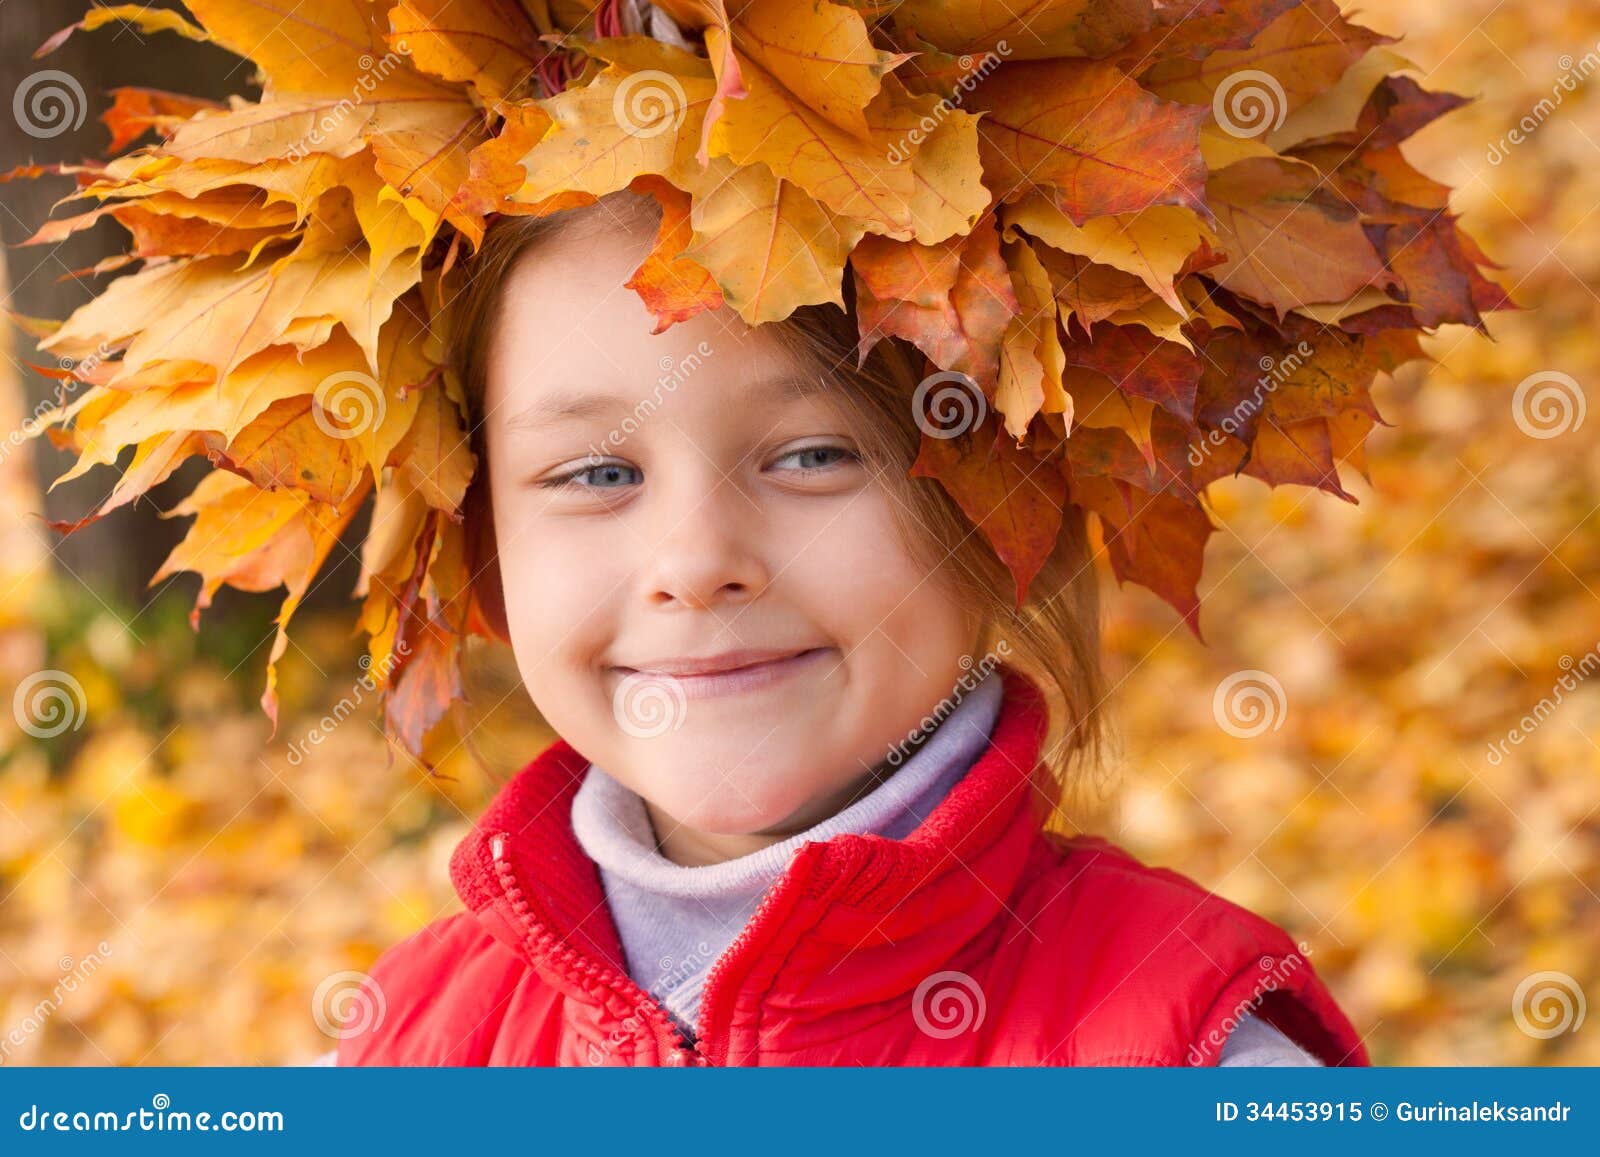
(1413, 631)
(233, 883)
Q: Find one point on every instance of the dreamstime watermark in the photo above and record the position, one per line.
(942, 709)
(1573, 75)
(638, 1027)
(48, 703)
(1542, 710)
(1274, 372)
(1275, 971)
(373, 72)
(365, 685)
(647, 705)
(1250, 103)
(673, 374)
(48, 103)
(1547, 1004)
(348, 1003)
(672, 971)
(649, 103)
(75, 973)
(160, 1117)
(947, 1004)
(79, 369)
(948, 404)
(348, 404)
(1249, 703)
(1548, 404)
(620, 1040)
(30, 425)
(901, 150)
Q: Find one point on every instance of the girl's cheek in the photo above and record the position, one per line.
(579, 595)
(859, 550)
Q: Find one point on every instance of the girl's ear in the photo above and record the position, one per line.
(483, 555)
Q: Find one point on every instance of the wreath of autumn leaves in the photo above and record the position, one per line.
(1160, 241)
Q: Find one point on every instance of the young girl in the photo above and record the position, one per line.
(808, 747)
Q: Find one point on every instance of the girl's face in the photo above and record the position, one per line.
(675, 502)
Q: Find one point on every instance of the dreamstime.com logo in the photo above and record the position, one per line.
(973, 672)
(160, 1117)
(1250, 103)
(649, 103)
(1574, 74)
(672, 971)
(648, 705)
(48, 103)
(972, 72)
(1248, 703)
(1575, 672)
(1276, 971)
(1274, 372)
(674, 372)
(348, 404)
(48, 703)
(78, 371)
(348, 1003)
(374, 70)
(367, 684)
(947, 1004)
(1547, 1004)
(1548, 404)
(73, 974)
(948, 404)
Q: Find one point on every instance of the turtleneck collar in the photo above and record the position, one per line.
(614, 828)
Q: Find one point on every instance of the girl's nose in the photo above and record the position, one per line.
(706, 549)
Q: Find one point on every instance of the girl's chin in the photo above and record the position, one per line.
(721, 817)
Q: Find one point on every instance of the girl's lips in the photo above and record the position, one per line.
(742, 679)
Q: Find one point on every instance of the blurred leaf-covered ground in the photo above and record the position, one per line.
(176, 889)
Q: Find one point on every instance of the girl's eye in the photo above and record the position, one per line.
(615, 475)
(606, 473)
(818, 457)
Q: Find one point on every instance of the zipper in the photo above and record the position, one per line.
(588, 974)
(785, 885)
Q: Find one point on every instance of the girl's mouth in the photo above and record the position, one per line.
(749, 677)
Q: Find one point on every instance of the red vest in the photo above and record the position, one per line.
(978, 939)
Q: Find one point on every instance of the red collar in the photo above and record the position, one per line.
(522, 871)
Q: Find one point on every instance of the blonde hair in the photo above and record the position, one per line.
(1054, 637)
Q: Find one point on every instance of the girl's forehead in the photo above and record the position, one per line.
(571, 290)
(755, 396)
(595, 330)
(697, 364)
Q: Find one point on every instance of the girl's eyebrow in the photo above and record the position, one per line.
(561, 406)
(568, 405)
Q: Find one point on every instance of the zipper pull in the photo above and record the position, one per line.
(497, 846)
(684, 1052)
